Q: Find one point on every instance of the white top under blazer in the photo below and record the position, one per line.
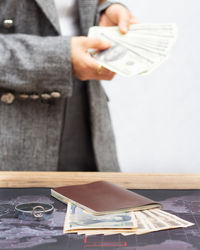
(68, 17)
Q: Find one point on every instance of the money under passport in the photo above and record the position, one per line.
(79, 221)
(140, 51)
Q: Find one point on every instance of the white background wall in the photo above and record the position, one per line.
(156, 118)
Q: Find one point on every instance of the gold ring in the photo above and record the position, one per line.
(99, 69)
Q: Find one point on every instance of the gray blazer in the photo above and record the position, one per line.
(36, 78)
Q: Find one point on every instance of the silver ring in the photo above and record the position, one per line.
(38, 211)
(33, 210)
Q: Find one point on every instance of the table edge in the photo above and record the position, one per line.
(9, 179)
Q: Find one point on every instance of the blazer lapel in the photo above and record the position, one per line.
(87, 10)
(49, 9)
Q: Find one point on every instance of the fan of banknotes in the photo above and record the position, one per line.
(140, 51)
(79, 221)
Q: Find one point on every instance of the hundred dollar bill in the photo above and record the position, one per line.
(148, 226)
(140, 51)
(163, 215)
(155, 28)
(123, 61)
(156, 220)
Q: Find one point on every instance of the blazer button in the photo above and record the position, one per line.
(24, 96)
(55, 95)
(34, 97)
(45, 96)
(8, 98)
(8, 23)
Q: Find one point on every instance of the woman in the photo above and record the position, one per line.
(54, 113)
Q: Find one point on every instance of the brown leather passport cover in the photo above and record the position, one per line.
(102, 196)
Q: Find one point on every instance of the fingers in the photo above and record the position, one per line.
(125, 19)
(94, 73)
(96, 43)
(84, 66)
(105, 21)
(119, 15)
(105, 75)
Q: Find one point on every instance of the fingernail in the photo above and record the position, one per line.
(123, 29)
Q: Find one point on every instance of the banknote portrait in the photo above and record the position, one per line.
(78, 218)
(115, 52)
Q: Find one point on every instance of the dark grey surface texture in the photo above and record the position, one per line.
(17, 234)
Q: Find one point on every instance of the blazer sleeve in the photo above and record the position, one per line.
(34, 64)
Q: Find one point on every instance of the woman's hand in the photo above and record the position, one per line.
(119, 15)
(84, 66)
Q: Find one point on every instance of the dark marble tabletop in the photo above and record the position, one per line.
(43, 235)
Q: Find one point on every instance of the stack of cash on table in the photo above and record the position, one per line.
(103, 207)
(126, 223)
(140, 51)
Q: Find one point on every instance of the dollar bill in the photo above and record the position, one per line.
(140, 51)
(156, 220)
(171, 218)
(120, 59)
